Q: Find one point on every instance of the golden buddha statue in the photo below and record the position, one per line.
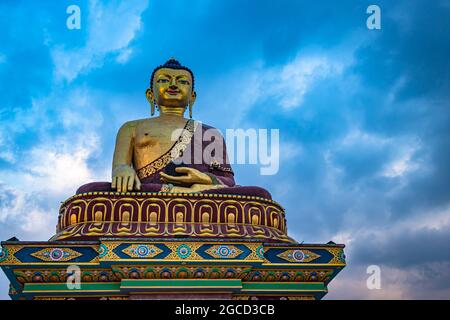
(171, 178)
(158, 153)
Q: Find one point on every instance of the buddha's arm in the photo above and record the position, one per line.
(124, 177)
(190, 176)
(198, 181)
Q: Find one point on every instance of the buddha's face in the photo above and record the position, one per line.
(172, 88)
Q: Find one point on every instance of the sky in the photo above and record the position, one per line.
(363, 116)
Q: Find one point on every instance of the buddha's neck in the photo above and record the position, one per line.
(171, 111)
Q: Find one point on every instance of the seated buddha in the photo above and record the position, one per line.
(169, 153)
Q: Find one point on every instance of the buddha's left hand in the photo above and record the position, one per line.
(192, 176)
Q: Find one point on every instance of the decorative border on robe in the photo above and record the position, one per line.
(175, 152)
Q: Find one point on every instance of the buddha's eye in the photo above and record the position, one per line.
(163, 80)
(185, 82)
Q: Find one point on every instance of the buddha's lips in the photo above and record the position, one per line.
(173, 92)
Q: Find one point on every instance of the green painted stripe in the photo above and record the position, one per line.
(176, 284)
(62, 287)
(182, 283)
(268, 286)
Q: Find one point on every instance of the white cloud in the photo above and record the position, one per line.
(61, 166)
(124, 55)
(55, 169)
(72, 112)
(402, 164)
(22, 215)
(291, 82)
(10, 201)
(6, 152)
(39, 222)
(434, 219)
(111, 28)
(357, 137)
(380, 231)
(401, 150)
(8, 156)
(32, 190)
(287, 85)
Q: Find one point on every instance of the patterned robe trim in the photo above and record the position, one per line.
(215, 165)
(175, 152)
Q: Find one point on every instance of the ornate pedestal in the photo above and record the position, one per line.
(167, 215)
(170, 246)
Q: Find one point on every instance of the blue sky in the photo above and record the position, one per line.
(363, 116)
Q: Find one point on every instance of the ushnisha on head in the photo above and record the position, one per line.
(171, 89)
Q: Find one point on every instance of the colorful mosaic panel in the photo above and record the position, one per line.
(224, 251)
(142, 251)
(56, 254)
(338, 255)
(308, 254)
(297, 256)
(182, 251)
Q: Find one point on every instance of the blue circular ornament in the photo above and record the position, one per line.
(298, 255)
(184, 251)
(3, 254)
(103, 250)
(260, 252)
(142, 251)
(56, 254)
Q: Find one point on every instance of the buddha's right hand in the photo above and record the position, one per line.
(125, 179)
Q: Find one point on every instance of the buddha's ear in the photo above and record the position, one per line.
(191, 102)
(151, 99)
(149, 95)
(193, 97)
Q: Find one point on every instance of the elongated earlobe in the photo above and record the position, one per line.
(152, 104)
(151, 100)
(191, 102)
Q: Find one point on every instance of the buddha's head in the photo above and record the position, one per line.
(171, 88)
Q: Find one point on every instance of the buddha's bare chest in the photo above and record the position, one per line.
(154, 138)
